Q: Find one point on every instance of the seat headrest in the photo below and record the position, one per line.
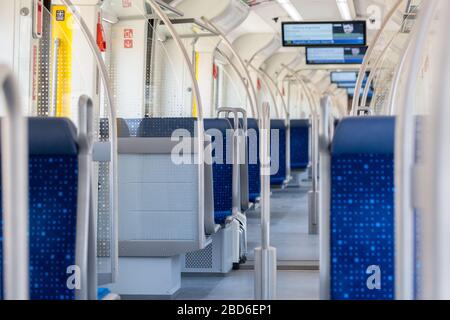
(123, 131)
(300, 123)
(221, 124)
(372, 135)
(164, 127)
(51, 136)
(277, 124)
(252, 123)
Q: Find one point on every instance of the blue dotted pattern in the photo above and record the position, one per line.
(254, 176)
(299, 146)
(278, 178)
(222, 172)
(53, 215)
(164, 127)
(362, 225)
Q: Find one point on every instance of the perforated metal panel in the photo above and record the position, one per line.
(104, 200)
(43, 94)
(202, 259)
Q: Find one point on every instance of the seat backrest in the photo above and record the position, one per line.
(299, 144)
(254, 167)
(163, 204)
(222, 167)
(279, 178)
(164, 127)
(53, 181)
(362, 209)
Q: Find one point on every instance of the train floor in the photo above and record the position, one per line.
(297, 253)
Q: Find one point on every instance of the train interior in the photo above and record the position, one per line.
(224, 149)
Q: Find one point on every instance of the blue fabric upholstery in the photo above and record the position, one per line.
(102, 293)
(362, 209)
(299, 144)
(164, 127)
(222, 169)
(53, 181)
(254, 169)
(279, 178)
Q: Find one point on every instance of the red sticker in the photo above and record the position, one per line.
(128, 43)
(128, 33)
(127, 3)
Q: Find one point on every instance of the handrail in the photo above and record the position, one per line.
(83, 238)
(266, 84)
(200, 126)
(396, 81)
(368, 56)
(265, 256)
(377, 63)
(112, 125)
(404, 160)
(236, 155)
(324, 200)
(222, 36)
(236, 70)
(288, 124)
(314, 156)
(14, 158)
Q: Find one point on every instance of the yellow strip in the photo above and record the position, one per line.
(194, 104)
(62, 29)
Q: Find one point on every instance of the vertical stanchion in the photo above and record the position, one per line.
(265, 256)
(14, 156)
(313, 195)
(324, 200)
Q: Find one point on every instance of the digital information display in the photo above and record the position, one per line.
(336, 55)
(345, 33)
(344, 76)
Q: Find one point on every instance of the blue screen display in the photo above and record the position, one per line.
(340, 77)
(346, 33)
(335, 55)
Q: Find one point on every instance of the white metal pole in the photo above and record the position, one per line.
(265, 256)
(324, 199)
(15, 191)
(405, 159)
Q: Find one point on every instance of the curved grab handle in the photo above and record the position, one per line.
(247, 78)
(112, 125)
(15, 191)
(368, 57)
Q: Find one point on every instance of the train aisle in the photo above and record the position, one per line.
(298, 275)
(289, 228)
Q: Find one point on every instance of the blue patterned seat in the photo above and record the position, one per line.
(299, 144)
(222, 169)
(279, 178)
(161, 127)
(53, 181)
(254, 169)
(362, 209)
